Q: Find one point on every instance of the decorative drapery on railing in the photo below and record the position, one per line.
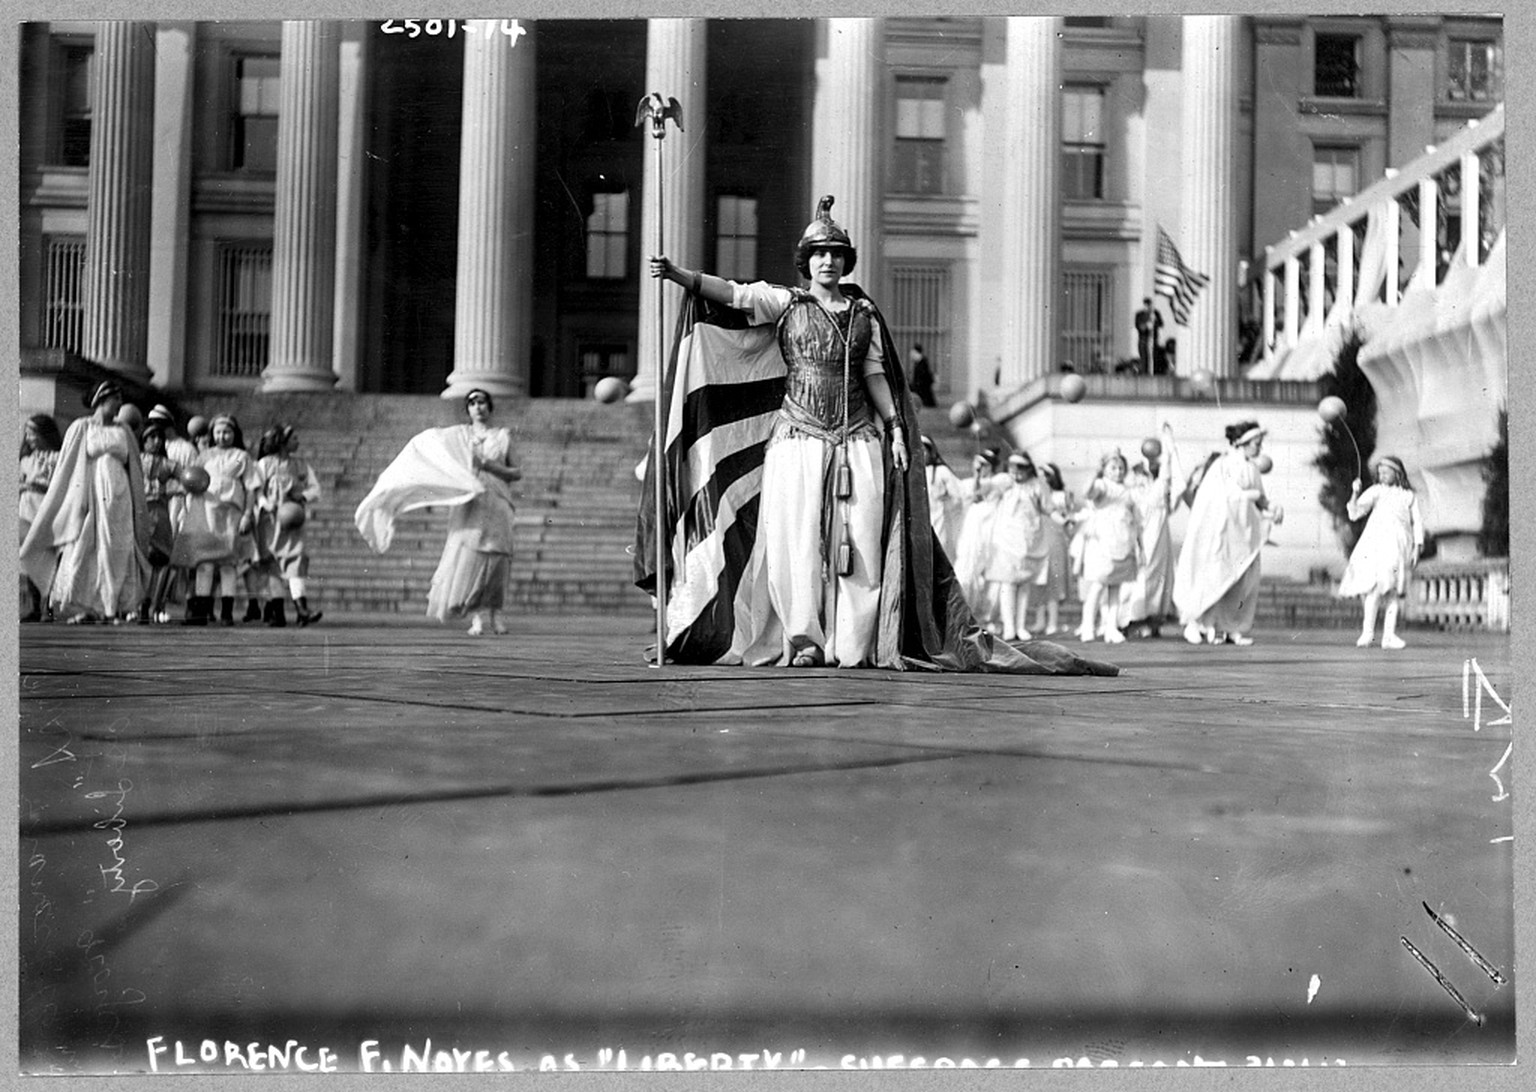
(1435, 347)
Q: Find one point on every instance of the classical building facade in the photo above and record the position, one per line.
(432, 205)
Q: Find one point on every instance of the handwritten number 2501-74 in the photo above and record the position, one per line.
(415, 28)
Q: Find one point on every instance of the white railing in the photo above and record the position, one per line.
(1288, 318)
(1461, 595)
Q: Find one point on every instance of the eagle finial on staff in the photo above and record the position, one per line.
(658, 110)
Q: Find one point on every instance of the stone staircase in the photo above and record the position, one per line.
(576, 504)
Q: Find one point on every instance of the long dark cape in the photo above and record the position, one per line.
(722, 391)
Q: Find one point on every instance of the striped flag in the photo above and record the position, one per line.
(1175, 280)
(723, 390)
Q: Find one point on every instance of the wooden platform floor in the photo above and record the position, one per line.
(538, 846)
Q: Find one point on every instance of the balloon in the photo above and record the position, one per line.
(1151, 448)
(290, 515)
(1073, 387)
(194, 479)
(128, 415)
(1264, 463)
(197, 426)
(1332, 408)
(1202, 380)
(610, 389)
(962, 415)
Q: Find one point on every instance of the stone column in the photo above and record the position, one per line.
(848, 140)
(118, 204)
(304, 233)
(351, 171)
(1032, 212)
(1209, 207)
(171, 203)
(675, 62)
(494, 285)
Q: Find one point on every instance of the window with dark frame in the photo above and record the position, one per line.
(1082, 143)
(608, 237)
(244, 333)
(736, 237)
(63, 309)
(1336, 66)
(921, 312)
(1474, 70)
(919, 166)
(75, 89)
(253, 119)
(1087, 329)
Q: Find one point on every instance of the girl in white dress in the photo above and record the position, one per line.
(1055, 582)
(1111, 547)
(1018, 555)
(1387, 551)
(946, 498)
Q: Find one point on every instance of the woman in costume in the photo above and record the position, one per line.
(821, 523)
(1216, 582)
(88, 544)
(822, 552)
(468, 468)
(40, 443)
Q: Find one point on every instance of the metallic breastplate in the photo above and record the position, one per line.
(811, 341)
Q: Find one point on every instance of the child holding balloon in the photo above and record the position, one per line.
(289, 487)
(1388, 549)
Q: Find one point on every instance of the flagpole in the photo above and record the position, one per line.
(658, 110)
(658, 456)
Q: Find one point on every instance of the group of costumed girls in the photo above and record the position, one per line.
(469, 470)
(1011, 524)
(1023, 538)
(124, 509)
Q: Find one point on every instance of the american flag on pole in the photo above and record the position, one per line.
(1175, 280)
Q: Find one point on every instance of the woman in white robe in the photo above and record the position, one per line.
(88, 543)
(1216, 582)
(468, 469)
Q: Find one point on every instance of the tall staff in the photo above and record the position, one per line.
(657, 110)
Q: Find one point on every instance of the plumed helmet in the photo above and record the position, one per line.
(824, 233)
